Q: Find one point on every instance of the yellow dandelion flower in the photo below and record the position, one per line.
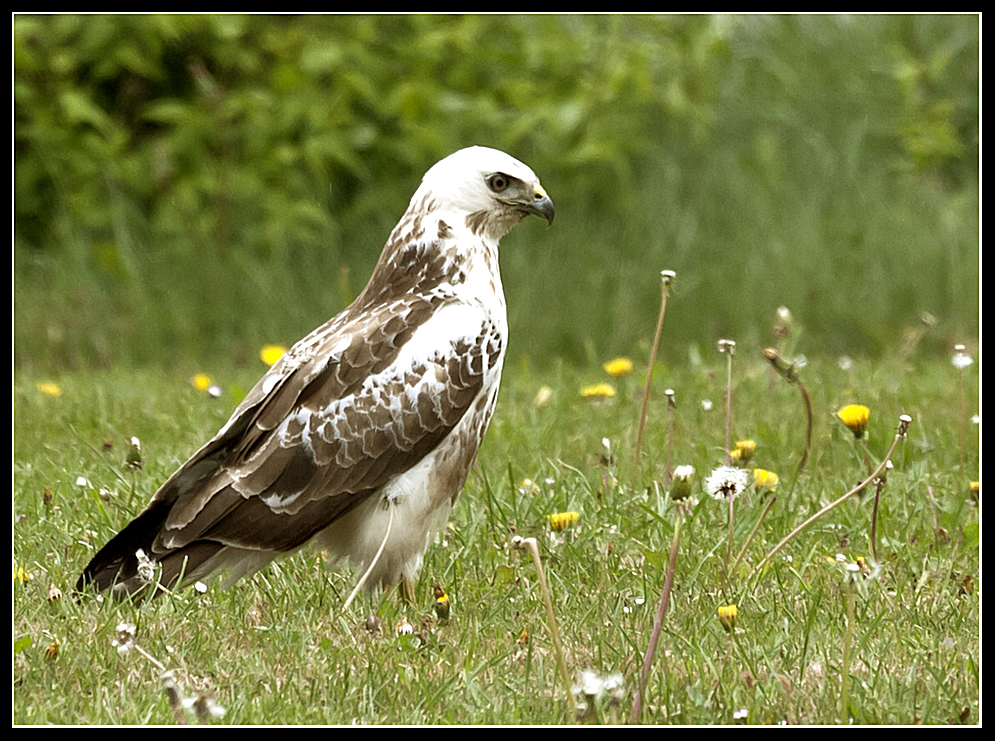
(562, 520)
(271, 353)
(765, 479)
(855, 417)
(598, 391)
(50, 389)
(523, 639)
(743, 451)
(21, 576)
(727, 616)
(201, 381)
(442, 603)
(52, 652)
(618, 367)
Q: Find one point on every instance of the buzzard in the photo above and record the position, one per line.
(360, 438)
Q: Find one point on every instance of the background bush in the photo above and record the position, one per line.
(188, 187)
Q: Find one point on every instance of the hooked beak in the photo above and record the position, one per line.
(541, 204)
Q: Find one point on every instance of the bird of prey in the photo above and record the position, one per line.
(360, 438)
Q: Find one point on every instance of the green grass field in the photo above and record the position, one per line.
(278, 649)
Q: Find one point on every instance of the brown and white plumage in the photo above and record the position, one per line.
(384, 406)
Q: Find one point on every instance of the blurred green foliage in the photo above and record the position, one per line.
(189, 187)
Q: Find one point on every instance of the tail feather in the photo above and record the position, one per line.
(126, 565)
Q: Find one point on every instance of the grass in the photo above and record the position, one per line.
(277, 649)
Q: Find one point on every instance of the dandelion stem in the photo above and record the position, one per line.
(666, 278)
(903, 427)
(729, 544)
(789, 373)
(661, 611)
(847, 643)
(879, 485)
(729, 411)
(533, 547)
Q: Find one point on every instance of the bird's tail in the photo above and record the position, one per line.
(127, 565)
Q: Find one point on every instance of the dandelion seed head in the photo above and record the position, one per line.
(961, 359)
(124, 637)
(726, 482)
(146, 567)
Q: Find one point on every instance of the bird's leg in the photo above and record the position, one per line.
(406, 589)
(376, 558)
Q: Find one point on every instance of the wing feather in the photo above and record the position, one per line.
(360, 401)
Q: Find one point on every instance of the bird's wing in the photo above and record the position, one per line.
(355, 404)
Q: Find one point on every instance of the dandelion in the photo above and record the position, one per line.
(618, 367)
(203, 382)
(562, 520)
(855, 417)
(124, 637)
(765, 480)
(543, 395)
(743, 451)
(146, 567)
(133, 458)
(21, 576)
(726, 482)
(442, 604)
(52, 652)
(598, 391)
(680, 487)
(961, 359)
(596, 691)
(529, 487)
(200, 381)
(727, 616)
(272, 353)
(50, 389)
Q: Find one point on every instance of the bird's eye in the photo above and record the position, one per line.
(498, 182)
